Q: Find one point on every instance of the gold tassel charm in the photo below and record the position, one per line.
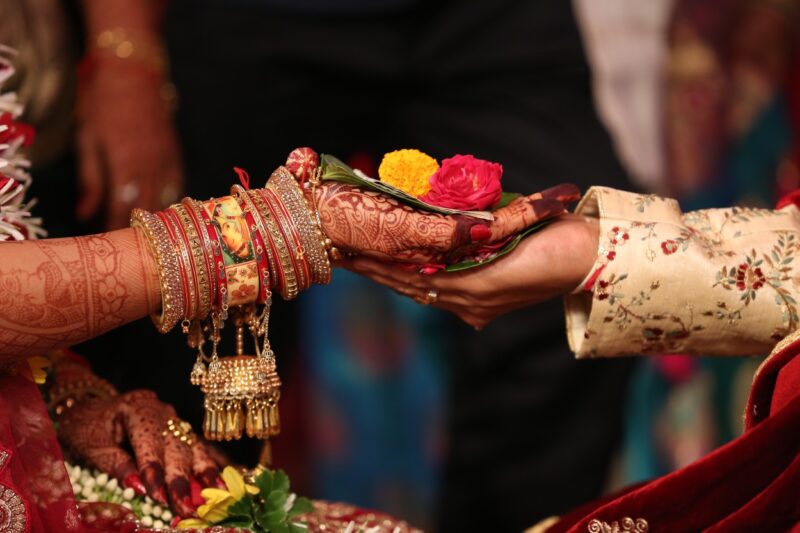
(241, 395)
(241, 392)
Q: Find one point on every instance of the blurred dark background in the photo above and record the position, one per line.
(388, 404)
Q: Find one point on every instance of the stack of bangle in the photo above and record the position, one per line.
(226, 251)
(231, 252)
(169, 273)
(287, 188)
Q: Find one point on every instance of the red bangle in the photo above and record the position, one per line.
(192, 273)
(286, 225)
(261, 251)
(279, 277)
(273, 213)
(195, 213)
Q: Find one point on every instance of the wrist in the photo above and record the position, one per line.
(585, 253)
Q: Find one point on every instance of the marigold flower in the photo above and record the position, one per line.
(409, 170)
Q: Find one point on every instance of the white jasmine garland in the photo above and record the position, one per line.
(95, 486)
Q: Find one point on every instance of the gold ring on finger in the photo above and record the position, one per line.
(180, 429)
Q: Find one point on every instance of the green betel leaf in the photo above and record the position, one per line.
(264, 483)
(301, 506)
(280, 481)
(335, 170)
(506, 198)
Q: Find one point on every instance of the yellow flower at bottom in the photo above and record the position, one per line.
(234, 481)
(193, 523)
(409, 170)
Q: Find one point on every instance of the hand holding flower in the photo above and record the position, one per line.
(371, 224)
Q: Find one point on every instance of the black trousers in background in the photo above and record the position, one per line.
(531, 431)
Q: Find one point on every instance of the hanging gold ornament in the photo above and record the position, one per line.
(241, 391)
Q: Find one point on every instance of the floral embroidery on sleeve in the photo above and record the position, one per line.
(749, 277)
(667, 282)
(661, 331)
(643, 201)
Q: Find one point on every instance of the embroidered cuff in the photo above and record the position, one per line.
(716, 281)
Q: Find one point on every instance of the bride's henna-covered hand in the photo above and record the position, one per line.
(97, 429)
(60, 292)
(368, 223)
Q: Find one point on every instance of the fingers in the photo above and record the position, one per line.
(566, 193)
(443, 291)
(178, 468)
(409, 282)
(91, 431)
(517, 216)
(523, 213)
(144, 420)
(204, 466)
(91, 175)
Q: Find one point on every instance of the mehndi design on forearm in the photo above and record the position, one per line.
(58, 292)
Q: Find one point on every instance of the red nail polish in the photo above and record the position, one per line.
(480, 233)
(221, 484)
(135, 482)
(196, 498)
(161, 495)
(189, 504)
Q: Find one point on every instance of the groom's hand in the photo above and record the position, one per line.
(371, 224)
(98, 430)
(550, 263)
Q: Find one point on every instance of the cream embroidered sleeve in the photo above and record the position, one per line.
(710, 282)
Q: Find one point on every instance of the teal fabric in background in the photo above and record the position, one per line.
(376, 387)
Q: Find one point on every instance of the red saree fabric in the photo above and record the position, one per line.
(32, 470)
(750, 484)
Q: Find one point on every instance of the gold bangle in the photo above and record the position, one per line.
(172, 298)
(184, 262)
(331, 252)
(200, 267)
(287, 225)
(289, 289)
(303, 217)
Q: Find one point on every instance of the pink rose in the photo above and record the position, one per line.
(466, 183)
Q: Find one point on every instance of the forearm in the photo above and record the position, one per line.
(60, 292)
(712, 282)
